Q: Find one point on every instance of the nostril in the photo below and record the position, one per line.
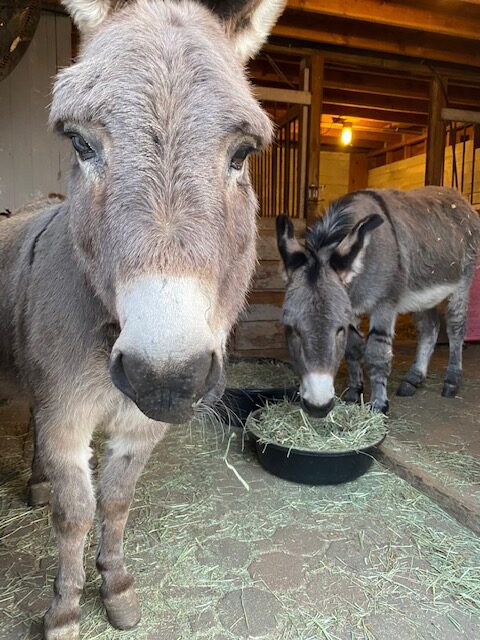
(119, 377)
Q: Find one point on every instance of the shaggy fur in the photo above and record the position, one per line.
(380, 253)
(160, 98)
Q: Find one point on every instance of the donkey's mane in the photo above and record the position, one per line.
(332, 227)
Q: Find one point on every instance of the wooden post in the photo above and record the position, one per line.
(436, 133)
(314, 137)
(303, 143)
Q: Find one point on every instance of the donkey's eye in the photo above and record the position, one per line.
(239, 156)
(82, 147)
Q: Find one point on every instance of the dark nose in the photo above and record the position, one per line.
(318, 412)
(169, 394)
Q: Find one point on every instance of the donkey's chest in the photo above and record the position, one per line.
(427, 298)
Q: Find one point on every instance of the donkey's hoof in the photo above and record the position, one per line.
(39, 494)
(449, 390)
(123, 610)
(381, 407)
(61, 627)
(406, 389)
(352, 395)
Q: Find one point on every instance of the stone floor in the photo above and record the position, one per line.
(373, 559)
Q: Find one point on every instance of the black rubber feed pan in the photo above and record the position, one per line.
(238, 403)
(312, 467)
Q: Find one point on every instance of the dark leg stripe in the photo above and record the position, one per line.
(380, 336)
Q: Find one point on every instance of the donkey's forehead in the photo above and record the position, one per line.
(155, 58)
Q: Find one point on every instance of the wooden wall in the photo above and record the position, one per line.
(33, 159)
(334, 174)
(402, 174)
(410, 173)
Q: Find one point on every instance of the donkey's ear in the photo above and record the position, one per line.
(291, 251)
(87, 14)
(248, 22)
(347, 259)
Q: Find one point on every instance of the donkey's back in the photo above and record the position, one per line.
(438, 233)
(378, 252)
(17, 245)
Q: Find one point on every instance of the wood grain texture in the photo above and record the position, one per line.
(33, 160)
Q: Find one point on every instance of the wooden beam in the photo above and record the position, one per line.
(460, 115)
(331, 31)
(462, 73)
(270, 94)
(395, 14)
(458, 502)
(386, 103)
(376, 114)
(314, 137)
(436, 133)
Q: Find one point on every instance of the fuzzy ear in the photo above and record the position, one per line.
(291, 251)
(87, 14)
(248, 22)
(347, 259)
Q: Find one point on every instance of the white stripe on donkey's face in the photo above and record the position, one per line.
(168, 352)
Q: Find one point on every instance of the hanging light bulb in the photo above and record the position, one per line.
(346, 135)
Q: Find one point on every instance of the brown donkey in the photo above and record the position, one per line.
(116, 304)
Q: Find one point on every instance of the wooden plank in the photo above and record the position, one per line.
(462, 506)
(329, 31)
(267, 225)
(303, 146)
(262, 313)
(466, 73)
(32, 158)
(268, 276)
(358, 174)
(460, 115)
(271, 94)
(266, 297)
(436, 133)
(259, 336)
(314, 137)
(396, 14)
(349, 98)
(267, 247)
(370, 113)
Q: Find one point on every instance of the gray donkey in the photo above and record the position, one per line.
(380, 253)
(116, 304)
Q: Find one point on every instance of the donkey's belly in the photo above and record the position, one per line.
(422, 299)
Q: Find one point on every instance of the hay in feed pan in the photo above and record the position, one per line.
(331, 450)
(348, 427)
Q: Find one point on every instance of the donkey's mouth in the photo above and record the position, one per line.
(318, 412)
(171, 397)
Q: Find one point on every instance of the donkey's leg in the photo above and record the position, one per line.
(428, 325)
(127, 455)
(65, 452)
(39, 487)
(378, 355)
(354, 354)
(456, 317)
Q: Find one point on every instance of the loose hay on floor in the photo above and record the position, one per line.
(348, 427)
(268, 374)
(194, 533)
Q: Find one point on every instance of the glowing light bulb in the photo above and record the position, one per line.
(346, 135)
